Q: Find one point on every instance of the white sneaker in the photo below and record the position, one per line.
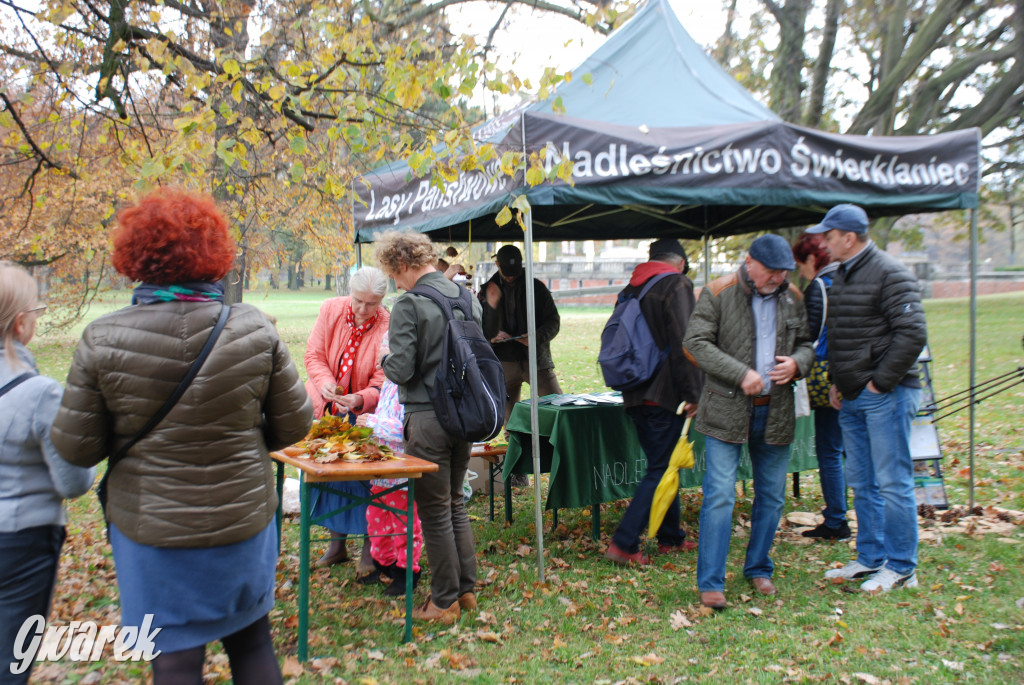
(854, 569)
(886, 580)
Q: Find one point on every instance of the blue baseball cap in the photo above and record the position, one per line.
(846, 217)
(773, 251)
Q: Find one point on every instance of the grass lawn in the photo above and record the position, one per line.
(591, 621)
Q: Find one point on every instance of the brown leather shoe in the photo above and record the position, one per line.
(616, 554)
(336, 554)
(467, 602)
(713, 600)
(763, 585)
(431, 612)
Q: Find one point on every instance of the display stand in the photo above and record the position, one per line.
(925, 447)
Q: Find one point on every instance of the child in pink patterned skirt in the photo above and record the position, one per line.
(386, 528)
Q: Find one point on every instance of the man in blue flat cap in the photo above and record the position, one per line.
(749, 335)
(876, 331)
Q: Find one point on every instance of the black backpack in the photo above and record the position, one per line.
(469, 388)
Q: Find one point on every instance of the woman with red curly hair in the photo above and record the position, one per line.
(816, 266)
(190, 505)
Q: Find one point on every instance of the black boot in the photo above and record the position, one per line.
(397, 586)
(374, 576)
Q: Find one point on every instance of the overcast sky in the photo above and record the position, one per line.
(533, 40)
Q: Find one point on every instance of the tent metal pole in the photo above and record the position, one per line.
(531, 336)
(707, 259)
(974, 342)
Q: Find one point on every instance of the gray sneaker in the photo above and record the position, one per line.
(886, 580)
(854, 569)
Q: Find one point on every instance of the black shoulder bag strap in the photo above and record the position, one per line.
(193, 371)
(15, 383)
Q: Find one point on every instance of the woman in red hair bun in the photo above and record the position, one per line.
(190, 505)
(816, 266)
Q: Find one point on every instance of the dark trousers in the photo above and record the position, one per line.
(28, 572)
(447, 535)
(658, 431)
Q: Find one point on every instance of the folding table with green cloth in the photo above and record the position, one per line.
(593, 455)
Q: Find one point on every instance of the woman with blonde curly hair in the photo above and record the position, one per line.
(191, 505)
(416, 334)
(34, 480)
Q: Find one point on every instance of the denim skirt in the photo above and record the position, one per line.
(195, 595)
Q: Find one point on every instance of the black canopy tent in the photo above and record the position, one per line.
(664, 143)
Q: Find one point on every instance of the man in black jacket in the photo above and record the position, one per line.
(653, 405)
(876, 331)
(504, 323)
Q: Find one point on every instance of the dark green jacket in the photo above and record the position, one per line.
(416, 338)
(720, 339)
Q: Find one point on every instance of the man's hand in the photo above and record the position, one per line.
(783, 371)
(873, 388)
(502, 335)
(691, 409)
(834, 398)
(752, 383)
(493, 295)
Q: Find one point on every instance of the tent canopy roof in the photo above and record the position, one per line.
(663, 142)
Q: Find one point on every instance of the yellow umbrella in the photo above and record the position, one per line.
(668, 488)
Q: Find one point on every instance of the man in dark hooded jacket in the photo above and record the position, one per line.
(504, 323)
(653, 405)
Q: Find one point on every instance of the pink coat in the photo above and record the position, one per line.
(327, 343)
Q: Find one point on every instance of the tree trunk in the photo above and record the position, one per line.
(787, 69)
(822, 66)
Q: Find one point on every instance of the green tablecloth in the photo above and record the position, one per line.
(593, 454)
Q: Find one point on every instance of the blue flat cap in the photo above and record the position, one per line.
(773, 251)
(849, 218)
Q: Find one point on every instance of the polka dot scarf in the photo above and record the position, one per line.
(354, 340)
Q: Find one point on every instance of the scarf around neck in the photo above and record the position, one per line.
(189, 291)
(354, 340)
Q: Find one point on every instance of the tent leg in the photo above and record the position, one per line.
(974, 339)
(531, 331)
(707, 259)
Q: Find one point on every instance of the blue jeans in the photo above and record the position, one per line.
(876, 433)
(658, 431)
(828, 443)
(769, 464)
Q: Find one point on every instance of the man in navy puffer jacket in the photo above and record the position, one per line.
(876, 331)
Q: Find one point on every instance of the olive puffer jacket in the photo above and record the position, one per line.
(876, 324)
(203, 477)
(720, 339)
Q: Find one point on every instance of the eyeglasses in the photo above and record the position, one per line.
(41, 308)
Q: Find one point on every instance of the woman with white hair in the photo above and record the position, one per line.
(342, 361)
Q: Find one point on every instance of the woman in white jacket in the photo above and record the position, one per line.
(34, 479)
